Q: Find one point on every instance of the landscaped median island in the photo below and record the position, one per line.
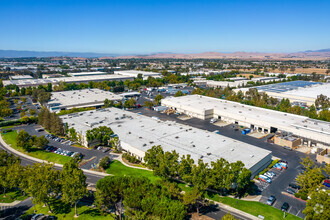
(11, 137)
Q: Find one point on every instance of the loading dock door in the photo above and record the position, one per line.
(273, 130)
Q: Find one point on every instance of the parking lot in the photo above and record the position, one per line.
(91, 155)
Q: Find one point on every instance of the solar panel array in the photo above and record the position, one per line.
(286, 86)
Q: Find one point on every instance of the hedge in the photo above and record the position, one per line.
(24, 120)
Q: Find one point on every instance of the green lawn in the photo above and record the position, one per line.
(254, 208)
(11, 196)
(10, 138)
(118, 169)
(66, 213)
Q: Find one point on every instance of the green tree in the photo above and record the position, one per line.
(178, 93)
(73, 183)
(148, 104)
(43, 183)
(194, 198)
(318, 207)
(185, 168)
(311, 178)
(40, 142)
(158, 98)
(10, 171)
(104, 162)
(152, 155)
(24, 140)
(130, 103)
(101, 134)
(322, 102)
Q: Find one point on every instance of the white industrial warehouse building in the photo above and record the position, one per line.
(74, 79)
(138, 133)
(304, 92)
(80, 98)
(135, 73)
(264, 120)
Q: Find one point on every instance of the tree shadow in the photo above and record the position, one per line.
(60, 207)
(92, 212)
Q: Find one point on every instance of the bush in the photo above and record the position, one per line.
(130, 158)
(23, 120)
(273, 163)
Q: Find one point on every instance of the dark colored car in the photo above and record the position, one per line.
(294, 186)
(290, 191)
(285, 207)
(283, 161)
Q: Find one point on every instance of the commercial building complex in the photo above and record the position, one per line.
(296, 91)
(80, 98)
(138, 133)
(232, 82)
(263, 120)
(56, 81)
(88, 74)
(135, 73)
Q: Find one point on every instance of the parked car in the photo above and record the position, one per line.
(294, 186)
(287, 148)
(283, 161)
(285, 207)
(268, 175)
(277, 166)
(265, 179)
(36, 216)
(213, 120)
(290, 191)
(326, 183)
(283, 165)
(271, 200)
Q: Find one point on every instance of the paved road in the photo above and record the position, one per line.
(216, 212)
(279, 184)
(13, 212)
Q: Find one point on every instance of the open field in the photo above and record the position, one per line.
(118, 169)
(10, 138)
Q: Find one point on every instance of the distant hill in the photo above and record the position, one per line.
(323, 54)
(25, 53)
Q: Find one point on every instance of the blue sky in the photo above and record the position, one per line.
(147, 26)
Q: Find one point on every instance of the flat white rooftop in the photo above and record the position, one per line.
(143, 132)
(135, 73)
(88, 74)
(251, 114)
(80, 98)
(311, 91)
(86, 79)
(17, 77)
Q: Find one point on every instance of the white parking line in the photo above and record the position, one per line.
(289, 209)
(298, 212)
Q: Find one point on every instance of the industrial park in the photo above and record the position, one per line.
(164, 110)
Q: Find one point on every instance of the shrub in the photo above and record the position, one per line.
(130, 158)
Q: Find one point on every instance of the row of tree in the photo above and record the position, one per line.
(51, 121)
(42, 182)
(220, 175)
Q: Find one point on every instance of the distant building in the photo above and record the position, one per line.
(304, 92)
(88, 74)
(135, 73)
(80, 98)
(20, 77)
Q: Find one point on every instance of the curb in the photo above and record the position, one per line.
(9, 148)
